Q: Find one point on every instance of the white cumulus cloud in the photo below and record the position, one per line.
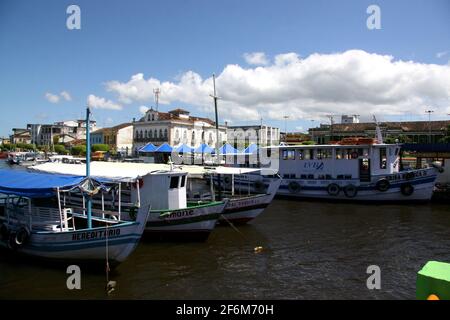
(353, 81)
(101, 103)
(66, 95)
(256, 58)
(143, 109)
(52, 98)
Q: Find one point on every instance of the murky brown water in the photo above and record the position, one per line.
(312, 250)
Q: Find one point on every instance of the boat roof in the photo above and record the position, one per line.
(321, 146)
(125, 172)
(35, 184)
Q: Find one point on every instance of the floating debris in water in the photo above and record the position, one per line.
(258, 249)
(111, 286)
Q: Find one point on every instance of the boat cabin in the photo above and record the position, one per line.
(342, 162)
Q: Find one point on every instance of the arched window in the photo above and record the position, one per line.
(153, 117)
(177, 134)
(193, 138)
(150, 134)
(145, 134)
(137, 135)
(160, 133)
(148, 118)
(165, 133)
(156, 133)
(140, 134)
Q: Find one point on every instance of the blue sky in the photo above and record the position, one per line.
(165, 39)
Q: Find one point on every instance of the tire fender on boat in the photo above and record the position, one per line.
(22, 236)
(350, 191)
(333, 189)
(407, 189)
(383, 185)
(294, 187)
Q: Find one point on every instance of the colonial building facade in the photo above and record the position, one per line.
(175, 128)
(119, 138)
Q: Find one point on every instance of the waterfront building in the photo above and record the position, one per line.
(20, 135)
(59, 132)
(411, 131)
(119, 138)
(175, 128)
(262, 135)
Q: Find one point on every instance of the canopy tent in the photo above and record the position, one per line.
(253, 148)
(227, 149)
(204, 148)
(34, 184)
(165, 147)
(149, 147)
(184, 149)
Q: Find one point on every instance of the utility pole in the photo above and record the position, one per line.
(429, 124)
(157, 92)
(215, 97)
(331, 117)
(285, 128)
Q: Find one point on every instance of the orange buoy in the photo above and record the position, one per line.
(433, 297)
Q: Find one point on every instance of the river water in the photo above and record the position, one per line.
(312, 250)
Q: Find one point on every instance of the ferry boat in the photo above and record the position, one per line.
(171, 216)
(357, 169)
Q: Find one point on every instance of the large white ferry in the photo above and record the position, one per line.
(356, 170)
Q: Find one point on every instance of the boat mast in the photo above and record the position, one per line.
(88, 166)
(215, 97)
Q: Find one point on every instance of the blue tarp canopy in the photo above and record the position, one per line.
(35, 185)
(227, 149)
(150, 147)
(165, 147)
(185, 149)
(204, 148)
(253, 148)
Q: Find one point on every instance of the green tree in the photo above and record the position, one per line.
(100, 147)
(60, 149)
(79, 150)
(308, 143)
(446, 137)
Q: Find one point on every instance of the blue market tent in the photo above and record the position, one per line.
(204, 148)
(253, 148)
(165, 147)
(150, 147)
(35, 185)
(227, 149)
(185, 149)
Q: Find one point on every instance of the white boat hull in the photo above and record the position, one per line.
(83, 245)
(192, 222)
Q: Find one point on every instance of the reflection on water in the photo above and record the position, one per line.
(312, 250)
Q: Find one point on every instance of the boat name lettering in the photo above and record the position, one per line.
(182, 213)
(98, 234)
(318, 165)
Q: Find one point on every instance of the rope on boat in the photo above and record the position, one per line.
(256, 249)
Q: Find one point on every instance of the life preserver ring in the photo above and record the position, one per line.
(141, 184)
(383, 185)
(132, 213)
(350, 191)
(333, 189)
(294, 187)
(4, 233)
(407, 189)
(21, 237)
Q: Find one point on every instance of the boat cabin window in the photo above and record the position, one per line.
(183, 181)
(324, 154)
(383, 159)
(174, 182)
(305, 154)
(288, 154)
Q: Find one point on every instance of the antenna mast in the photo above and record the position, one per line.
(378, 130)
(157, 92)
